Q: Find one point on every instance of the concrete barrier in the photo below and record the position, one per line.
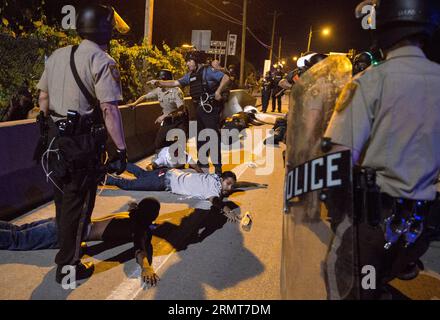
(23, 185)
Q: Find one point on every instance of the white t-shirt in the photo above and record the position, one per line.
(165, 159)
(198, 185)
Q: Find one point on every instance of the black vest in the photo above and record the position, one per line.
(198, 84)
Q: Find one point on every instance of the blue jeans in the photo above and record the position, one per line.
(32, 236)
(145, 180)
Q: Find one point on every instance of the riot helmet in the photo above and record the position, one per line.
(301, 63)
(165, 74)
(402, 19)
(315, 59)
(199, 57)
(96, 22)
(362, 61)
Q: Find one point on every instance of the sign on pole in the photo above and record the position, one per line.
(201, 39)
(267, 66)
(232, 47)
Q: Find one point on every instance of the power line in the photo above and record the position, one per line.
(221, 11)
(211, 13)
(235, 21)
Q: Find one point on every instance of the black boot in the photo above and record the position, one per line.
(82, 271)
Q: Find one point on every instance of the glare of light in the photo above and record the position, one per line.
(326, 32)
(295, 58)
(283, 62)
(187, 46)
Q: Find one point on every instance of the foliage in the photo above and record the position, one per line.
(23, 52)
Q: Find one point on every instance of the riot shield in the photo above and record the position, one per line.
(319, 238)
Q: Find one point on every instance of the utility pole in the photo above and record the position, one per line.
(279, 49)
(243, 43)
(275, 15)
(148, 26)
(310, 40)
(227, 50)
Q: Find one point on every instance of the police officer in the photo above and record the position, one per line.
(80, 89)
(174, 114)
(389, 117)
(361, 62)
(277, 92)
(266, 90)
(206, 88)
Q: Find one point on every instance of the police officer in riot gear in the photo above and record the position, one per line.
(266, 90)
(207, 87)
(389, 117)
(277, 91)
(79, 93)
(361, 62)
(174, 114)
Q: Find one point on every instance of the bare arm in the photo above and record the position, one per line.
(195, 167)
(139, 100)
(223, 84)
(113, 123)
(165, 83)
(144, 257)
(285, 84)
(43, 102)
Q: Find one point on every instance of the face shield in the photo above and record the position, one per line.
(120, 25)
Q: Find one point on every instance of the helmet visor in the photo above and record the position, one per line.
(120, 25)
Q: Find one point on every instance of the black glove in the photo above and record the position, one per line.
(118, 163)
(43, 142)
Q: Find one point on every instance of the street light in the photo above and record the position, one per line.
(325, 32)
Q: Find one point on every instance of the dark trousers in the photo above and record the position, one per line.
(37, 235)
(265, 98)
(161, 137)
(274, 102)
(74, 199)
(209, 121)
(363, 245)
(145, 180)
(74, 207)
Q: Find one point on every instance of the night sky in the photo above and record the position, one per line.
(174, 20)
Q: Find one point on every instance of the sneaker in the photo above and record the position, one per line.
(82, 271)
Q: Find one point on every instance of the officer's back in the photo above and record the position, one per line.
(402, 100)
(96, 69)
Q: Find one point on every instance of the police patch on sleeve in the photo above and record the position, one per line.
(346, 96)
(115, 72)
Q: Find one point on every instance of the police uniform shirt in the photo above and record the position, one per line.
(170, 99)
(97, 70)
(391, 115)
(213, 78)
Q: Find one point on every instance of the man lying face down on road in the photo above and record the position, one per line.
(135, 225)
(199, 185)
